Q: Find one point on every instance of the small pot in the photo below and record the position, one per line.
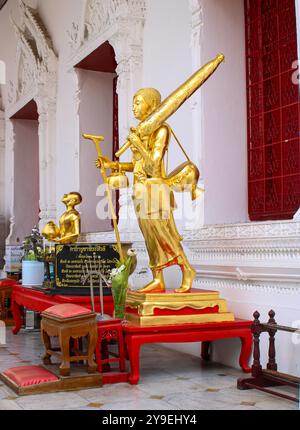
(117, 180)
(33, 273)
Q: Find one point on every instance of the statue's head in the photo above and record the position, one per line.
(72, 198)
(145, 101)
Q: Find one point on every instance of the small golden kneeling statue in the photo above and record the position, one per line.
(69, 223)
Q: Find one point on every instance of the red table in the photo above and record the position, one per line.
(39, 301)
(109, 330)
(136, 336)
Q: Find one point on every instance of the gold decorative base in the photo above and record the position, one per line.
(178, 319)
(197, 306)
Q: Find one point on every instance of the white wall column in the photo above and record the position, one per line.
(219, 112)
(46, 103)
(129, 56)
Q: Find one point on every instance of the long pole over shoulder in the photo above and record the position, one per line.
(173, 102)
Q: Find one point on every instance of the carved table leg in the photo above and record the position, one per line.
(104, 355)
(64, 341)
(205, 346)
(121, 351)
(92, 341)
(133, 346)
(246, 352)
(17, 316)
(98, 355)
(47, 342)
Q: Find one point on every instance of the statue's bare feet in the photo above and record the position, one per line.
(183, 289)
(187, 281)
(154, 286)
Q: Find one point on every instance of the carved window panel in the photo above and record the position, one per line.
(273, 109)
(291, 157)
(257, 190)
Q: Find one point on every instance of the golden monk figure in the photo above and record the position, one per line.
(153, 188)
(69, 223)
(155, 219)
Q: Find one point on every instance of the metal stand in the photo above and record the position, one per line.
(93, 271)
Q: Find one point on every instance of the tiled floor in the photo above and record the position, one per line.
(170, 380)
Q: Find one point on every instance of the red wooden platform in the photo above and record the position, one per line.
(39, 301)
(136, 336)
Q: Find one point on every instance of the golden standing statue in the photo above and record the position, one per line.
(69, 223)
(149, 143)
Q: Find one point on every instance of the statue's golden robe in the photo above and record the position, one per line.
(154, 201)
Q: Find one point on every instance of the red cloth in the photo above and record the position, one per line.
(7, 282)
(66, 310)
(25, 376)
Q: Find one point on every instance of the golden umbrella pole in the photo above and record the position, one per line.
(172, 103)
(97, 140)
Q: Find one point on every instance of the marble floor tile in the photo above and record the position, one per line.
(51, 401)
(171, 386)
(274, 403)
(8, 405)
(183, 401)
(139, 404)
(112, 393)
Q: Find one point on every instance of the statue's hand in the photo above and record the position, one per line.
(107, 163)
(135, 140)
(55, 240)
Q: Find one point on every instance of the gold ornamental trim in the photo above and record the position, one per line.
(149, 308)
(147, 321)
(172, 297)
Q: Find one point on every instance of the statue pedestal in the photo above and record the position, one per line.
(196, 306)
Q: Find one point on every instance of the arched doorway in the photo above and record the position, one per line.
(26, 171)
(98, 114)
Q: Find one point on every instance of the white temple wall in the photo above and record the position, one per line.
(168, 64)
(58, 17)
(96, 117)
(224, 120)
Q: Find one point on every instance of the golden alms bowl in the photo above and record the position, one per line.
(185, 178)
(117, 180)
(50, 231)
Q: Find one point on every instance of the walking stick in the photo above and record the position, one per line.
(97, 140)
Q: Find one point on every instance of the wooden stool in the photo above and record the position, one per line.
(69, 321)
(109, 330)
